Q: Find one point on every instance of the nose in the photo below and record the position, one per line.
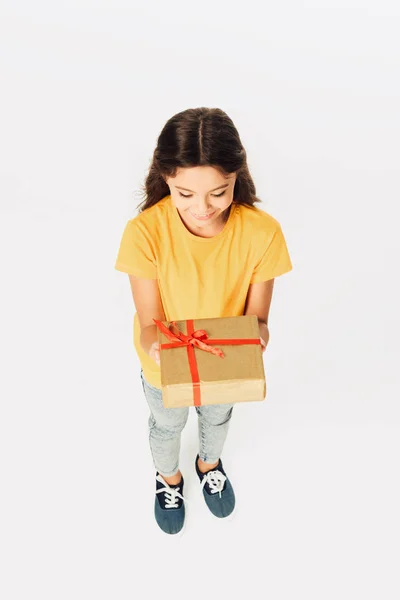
(202, 206)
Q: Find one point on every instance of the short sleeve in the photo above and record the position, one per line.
(136, 254)
(275, 261)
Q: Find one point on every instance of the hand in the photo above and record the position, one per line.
(154, 352)
(264, 335)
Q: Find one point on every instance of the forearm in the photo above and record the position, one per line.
(148, 336)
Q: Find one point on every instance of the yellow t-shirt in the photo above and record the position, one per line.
(198, 277)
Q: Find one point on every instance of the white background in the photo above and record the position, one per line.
(314, 90)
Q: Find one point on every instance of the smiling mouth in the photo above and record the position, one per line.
(202, 217)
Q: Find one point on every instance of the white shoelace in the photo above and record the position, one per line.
(171, 494)
(215, 480)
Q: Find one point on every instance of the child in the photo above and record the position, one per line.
(198, 249)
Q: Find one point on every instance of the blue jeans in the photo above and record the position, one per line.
(166, 425)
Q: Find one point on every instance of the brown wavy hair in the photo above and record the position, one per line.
(198, 137)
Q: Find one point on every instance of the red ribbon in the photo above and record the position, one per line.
(201, 340)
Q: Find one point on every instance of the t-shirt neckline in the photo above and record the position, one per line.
(197, 238)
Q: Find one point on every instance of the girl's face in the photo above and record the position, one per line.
(202, 196)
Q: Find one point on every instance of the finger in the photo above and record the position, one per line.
(157, 356)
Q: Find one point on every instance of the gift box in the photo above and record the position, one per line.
(211, 361)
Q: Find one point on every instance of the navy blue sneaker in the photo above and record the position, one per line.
(169, 507)
(217, 490)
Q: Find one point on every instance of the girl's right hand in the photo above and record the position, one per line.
(154, 352)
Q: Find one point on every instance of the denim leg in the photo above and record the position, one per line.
(165, 428)
(213, 428)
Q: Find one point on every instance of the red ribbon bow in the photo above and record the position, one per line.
(196, 338)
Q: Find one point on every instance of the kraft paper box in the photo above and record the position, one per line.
(194, 376)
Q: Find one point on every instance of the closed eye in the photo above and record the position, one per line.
(214, 195)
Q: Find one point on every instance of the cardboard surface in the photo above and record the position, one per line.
(238, 377)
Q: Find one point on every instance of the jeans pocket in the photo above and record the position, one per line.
(153, 394)
(151, 387)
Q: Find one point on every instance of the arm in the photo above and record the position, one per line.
(147, 299)
(258, 303)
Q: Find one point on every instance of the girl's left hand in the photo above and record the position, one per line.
(263, 344)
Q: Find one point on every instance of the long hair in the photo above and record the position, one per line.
(198, 137)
